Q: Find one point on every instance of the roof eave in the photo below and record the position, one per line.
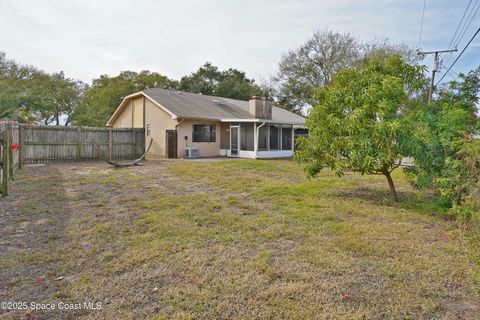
(120, 107)
(264, 120)
(122, 104)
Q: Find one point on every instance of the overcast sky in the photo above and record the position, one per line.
(92, 37)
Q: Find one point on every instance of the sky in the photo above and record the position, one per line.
(89, 38)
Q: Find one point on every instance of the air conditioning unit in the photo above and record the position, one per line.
(192, 153)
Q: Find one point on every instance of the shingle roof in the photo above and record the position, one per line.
(193, 105)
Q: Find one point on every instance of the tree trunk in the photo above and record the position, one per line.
(391, 185)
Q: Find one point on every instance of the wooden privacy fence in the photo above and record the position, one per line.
(45, 144)
(64, 144)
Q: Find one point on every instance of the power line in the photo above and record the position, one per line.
(469, 23)
(458, 57)
(436, 64)
(421, 23)
(453, 72)
(460, 26)
(452, 75)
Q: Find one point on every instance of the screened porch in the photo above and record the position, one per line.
(257, 140)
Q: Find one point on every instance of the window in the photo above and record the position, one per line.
(203, 133)
(286, 138)
(148, 129)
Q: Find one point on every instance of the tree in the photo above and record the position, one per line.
(372, 48)
(100, 100)
(11, 76)
(311, 66)
(7, 105)
(28, 93)
(53, 98)
(231, 83)
(462, 185)
(445, 152)
(358, 123)
(204, 80)
(234, 84)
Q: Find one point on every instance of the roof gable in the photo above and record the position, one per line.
(189, 105)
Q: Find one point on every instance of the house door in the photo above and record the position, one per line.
(234, 138)
(171, 144)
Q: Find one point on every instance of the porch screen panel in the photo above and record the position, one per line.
(275, 137)
(262, 138)
(246, 136)
(225, 136)
(286, 138)
(243, 137)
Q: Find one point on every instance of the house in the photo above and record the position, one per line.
(183, 124)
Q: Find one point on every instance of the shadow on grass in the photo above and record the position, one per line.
(410, 200)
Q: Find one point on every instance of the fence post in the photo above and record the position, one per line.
(5, 163)
(78, 146)
(110, 144)
(10, 151)
(20, 146)
(134, 133)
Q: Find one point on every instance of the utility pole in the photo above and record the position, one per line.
(436, 63)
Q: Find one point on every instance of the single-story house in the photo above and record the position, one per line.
(184, 124)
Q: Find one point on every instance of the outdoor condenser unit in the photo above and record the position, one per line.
(192, 153)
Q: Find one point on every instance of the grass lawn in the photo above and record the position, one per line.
(231, 239)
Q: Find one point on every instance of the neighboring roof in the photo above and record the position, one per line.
(180, 104)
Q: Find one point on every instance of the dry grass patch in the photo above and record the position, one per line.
(236, 239)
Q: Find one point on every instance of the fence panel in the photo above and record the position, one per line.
(32, 144)
(139, 141)
(64, 144)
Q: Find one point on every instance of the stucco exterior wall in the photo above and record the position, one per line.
(137, 107)
(141, 112)
(207, 149)
(159, 122)
(124, 120)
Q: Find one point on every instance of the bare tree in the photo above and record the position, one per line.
(315, 62)
(312, 65)
(409, 54)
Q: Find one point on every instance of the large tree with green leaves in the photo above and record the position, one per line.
(444, 147)
(13, 89)
(100, 99)
(53, 98)
(358, 123)
(27, 93)
(231, 83)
